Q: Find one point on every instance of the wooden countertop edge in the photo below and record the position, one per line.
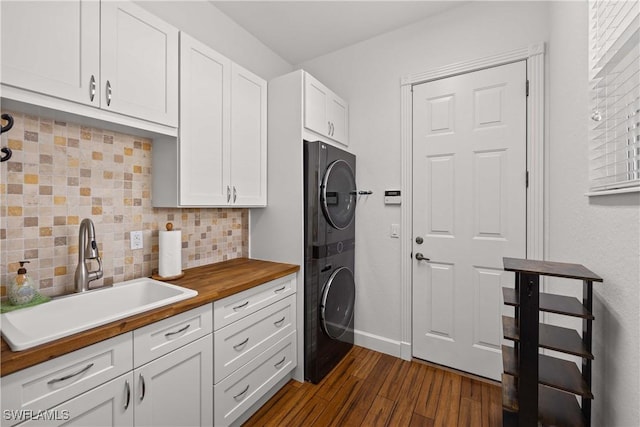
(11, 361)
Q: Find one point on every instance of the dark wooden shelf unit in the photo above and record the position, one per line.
(538, 387)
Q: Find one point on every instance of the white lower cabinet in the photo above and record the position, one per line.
(109, 405)
(255, 347)
(170, 383)
(212, 365)
(175, 389)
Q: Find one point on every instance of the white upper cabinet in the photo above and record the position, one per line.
(222, 147)
(204, 124)
(139, 63)
(325, 112)
(58, 57)
(248, 145)
(111, 55)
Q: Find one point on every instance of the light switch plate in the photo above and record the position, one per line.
(136, 239)
(395, 231)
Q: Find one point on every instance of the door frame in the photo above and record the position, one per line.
(536, 193)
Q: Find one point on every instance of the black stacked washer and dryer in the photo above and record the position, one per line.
(329, 205)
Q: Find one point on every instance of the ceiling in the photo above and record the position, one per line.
(302, 30)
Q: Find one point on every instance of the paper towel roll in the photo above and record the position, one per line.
(170, 262)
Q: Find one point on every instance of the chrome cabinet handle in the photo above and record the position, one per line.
(280, 363)
(238, 346)
(228, 194)
(279, 289)
(241, 393)
(66, 377)
(92, 88)
(421, 257)
(235, 194)
(144, 388)
(128, 389)
(169, 334)
(329, 124)
(333, 129)
(279, 323)
(108, 93)
(238, 307)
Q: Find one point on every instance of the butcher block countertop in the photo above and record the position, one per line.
(213, 282)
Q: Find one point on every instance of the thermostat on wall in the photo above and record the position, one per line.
(392, 197)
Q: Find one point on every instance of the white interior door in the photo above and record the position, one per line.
(469, 210)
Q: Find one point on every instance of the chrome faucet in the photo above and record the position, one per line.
(87, 249)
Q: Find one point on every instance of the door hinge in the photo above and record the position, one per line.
(527, 85)
(526, 179)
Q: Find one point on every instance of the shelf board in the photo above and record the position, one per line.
(553, 372)
(551, 337)
(554, 407)
(549, 268)
(551, 303)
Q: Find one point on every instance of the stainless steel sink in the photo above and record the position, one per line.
(74, 313)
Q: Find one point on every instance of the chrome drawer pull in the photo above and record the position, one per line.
(279, 289)
(108, 93)
(279, 364)
(66, 377)
(92, 88)
(169, 334)
(238, 307)
(238, 346)
(126, 386)
(241, 394)
(144, 388)
(278, 323)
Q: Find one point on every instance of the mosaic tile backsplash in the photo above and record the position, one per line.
(61, 173)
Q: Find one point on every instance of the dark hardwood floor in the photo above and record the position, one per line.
(374, 389)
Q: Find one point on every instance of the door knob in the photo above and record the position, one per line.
(419, 240)
(421, 257)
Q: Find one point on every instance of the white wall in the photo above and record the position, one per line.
(368, 76)
(205, 22)
(602, 233)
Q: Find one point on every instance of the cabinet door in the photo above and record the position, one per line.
(248, 138)
(337, 113)
(315, 106)
(109, 405)
(177, 389)
(204, 125)
(52, 47)
(139, 63)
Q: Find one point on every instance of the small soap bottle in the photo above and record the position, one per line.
(21, 289)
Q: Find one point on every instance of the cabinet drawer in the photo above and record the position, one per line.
(50, 383)
(236, 393)
(235, 307)
(238, 343)
(157, 339)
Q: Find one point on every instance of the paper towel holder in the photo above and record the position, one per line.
(155, 275)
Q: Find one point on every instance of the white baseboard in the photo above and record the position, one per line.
(381, 344)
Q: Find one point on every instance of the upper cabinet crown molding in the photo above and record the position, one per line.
(325, 112)
(221, 156)
(72, 55)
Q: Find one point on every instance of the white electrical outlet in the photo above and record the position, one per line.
(136, 239)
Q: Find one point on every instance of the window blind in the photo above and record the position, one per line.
(614, 62)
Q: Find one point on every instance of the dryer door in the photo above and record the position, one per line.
(338, 299)
(338, 194)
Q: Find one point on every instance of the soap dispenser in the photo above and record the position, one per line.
(21, 289)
